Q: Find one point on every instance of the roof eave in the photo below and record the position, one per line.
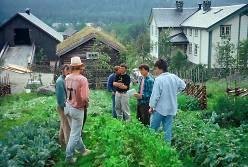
(239, 11)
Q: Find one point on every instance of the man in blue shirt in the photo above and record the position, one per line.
(144, 94)
(64, 131)
(163, 101)
(112, 89)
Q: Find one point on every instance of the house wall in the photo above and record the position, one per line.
(89, 63)
(234, 22)
(154, 35)
(38, 36)
(203, 40)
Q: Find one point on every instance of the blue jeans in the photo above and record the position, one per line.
(113, 107)
(75, 118)
(157, 119)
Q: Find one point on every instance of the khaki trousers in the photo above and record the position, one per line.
(64, 130)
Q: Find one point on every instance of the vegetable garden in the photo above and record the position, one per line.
(217, 136)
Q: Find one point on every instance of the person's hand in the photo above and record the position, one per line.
(138, 96)
(86, 104)
(151, 110)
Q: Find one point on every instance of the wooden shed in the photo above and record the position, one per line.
(27, 33)
(89, 44)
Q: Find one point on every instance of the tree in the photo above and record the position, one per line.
(178, 61)
(164, 44)
(102, 62)
(225, 56)
(143, 47)
(243, 56)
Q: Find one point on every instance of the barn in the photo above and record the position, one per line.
(91, 44)
(26, 38)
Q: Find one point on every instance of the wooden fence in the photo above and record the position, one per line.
(5, 88)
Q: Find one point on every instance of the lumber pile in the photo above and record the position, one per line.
(237, 92)
(16, 69)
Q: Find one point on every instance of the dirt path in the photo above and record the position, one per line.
(19, 81)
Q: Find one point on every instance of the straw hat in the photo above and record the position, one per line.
(76, 61)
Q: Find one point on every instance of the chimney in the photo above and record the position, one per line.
(206, 5)
(27, 10)
(199, 6)
(179, 5)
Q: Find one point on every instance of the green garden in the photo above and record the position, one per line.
(217, 136)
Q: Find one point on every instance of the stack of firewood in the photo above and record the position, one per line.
(199, 92)
(5, 88)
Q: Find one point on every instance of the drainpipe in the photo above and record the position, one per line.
(210, 50)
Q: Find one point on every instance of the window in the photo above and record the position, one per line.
(156, 32)
(225, 31)
(156, 47)
(190, 32)
(196, 50)
(185, 31)
(152, 30)
(190, 48)
(196, 33)
(92, 55)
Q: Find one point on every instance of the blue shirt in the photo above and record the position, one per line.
(111, 80)
(60, 91)
(147, 90)
(164, 94)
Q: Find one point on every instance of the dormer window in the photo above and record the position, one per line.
(225, 31)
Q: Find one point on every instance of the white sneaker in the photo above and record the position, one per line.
(86, 152)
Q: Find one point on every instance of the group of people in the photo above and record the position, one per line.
(157, 99)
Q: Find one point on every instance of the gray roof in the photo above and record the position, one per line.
(179, 38)
(33, 19)
(203, 19)
(171, 17)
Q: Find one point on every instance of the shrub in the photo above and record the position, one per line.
(188, 103)
(208, 144)
(231, 111)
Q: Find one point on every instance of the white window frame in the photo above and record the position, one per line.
(196, 49)
(89, 55)
(196, 32)
(190, 48)
(190, 32)
(185, 31)
(225, 30)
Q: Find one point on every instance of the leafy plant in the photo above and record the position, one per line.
(231, 111)
(207, 143)
(188, 103)
(31, 144)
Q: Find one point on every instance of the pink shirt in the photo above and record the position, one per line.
(77, 89)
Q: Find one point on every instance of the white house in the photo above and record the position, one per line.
(199, 29)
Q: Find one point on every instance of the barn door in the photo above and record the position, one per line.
(22, 36)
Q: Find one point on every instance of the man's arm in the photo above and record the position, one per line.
(60, 93)
(85, 92)
(180, 84)
(110, 83)
(156, 93)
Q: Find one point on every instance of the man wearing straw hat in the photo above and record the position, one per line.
(77, 101)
